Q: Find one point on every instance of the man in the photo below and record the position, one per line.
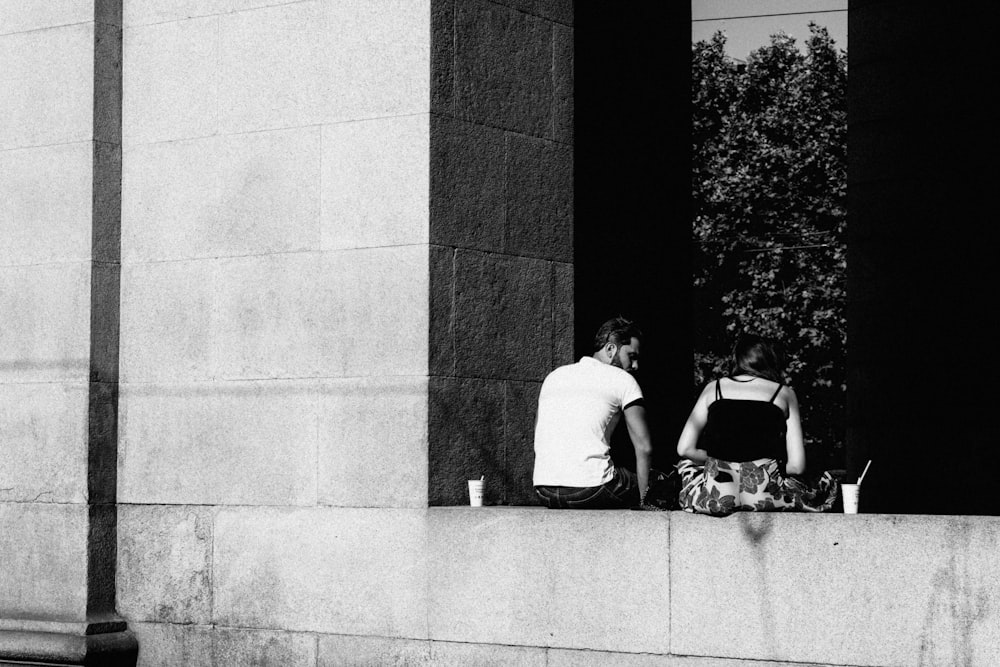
(578, 408)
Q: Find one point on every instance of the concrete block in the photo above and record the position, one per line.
(563, 85)
(167, 315)
(323, 62)
(261, 648)
(531, 577)
(44, 556)
(38, 14)
(450, 654)
(373, 442)
(373, 314)
(539, 199)
(563, 314)
(503, 68)
(44, 428)
(347, 651)
(48, 92)
(143, 12)
(467, 184)
(218, 443)
(503, 316)
(238, 195)
(169, 90)
(167, 644)
(341, 571)
(45, 204)
(164, 569)
(921, 582)
(520, 407)
(376, 183)
(45, 337)
(465, 438)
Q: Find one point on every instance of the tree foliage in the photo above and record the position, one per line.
(769, 185)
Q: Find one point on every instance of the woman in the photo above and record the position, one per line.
(742, 447)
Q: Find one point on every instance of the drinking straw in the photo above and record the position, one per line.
(863, 472)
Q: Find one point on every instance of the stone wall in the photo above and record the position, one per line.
(501, 234)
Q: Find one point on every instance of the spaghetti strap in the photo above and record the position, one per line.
(777, 391)
(718, 389)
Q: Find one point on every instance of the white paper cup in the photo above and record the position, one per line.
(850, 493)
(476, 492)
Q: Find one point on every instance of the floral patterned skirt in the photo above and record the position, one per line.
(720, 488)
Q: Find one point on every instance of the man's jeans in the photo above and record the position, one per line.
(620, 492)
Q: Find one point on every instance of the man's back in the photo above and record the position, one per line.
(578, 408)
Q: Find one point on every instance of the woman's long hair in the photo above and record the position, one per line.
(758, 356)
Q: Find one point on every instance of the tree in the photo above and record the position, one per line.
(769, 185)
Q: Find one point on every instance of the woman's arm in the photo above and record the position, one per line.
(793, 436)
(687, 444)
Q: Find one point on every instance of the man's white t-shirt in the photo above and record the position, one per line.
(578, 408)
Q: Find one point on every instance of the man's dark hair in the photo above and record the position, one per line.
(758, 356)
(618, 330)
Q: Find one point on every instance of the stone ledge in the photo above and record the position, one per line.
(108, 649)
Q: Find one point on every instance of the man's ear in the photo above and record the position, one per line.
(610, 349)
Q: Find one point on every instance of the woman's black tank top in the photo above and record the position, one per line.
(744, 430)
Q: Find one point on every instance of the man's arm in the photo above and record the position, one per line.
(638, 431)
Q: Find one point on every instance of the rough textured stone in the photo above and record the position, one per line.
(560, 11)
(373, 442)
(376, 183)
(323, 62)
(465, 438)
(503, 68)
(347, 651)
(919, 580)
(563, 82)
(545, 564)
(441, 335)
(164, 563)
(520, 407)
(219, 443)
(44, 556)
(467, 184)
(443, 56)
(167, 315)
(503, 316)
(48, 92)
(239, 195)
(449, 654)
(45, 337)
(44, 430)
(342, 571)
(45, 204)
(539, 185)
(166, 644)
(168, 91)
(260, 648)
(562, 314)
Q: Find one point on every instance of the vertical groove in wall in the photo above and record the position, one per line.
(102, 435)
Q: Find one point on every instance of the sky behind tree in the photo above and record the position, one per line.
(746, 34)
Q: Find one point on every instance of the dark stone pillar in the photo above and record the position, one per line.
(921, 269)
